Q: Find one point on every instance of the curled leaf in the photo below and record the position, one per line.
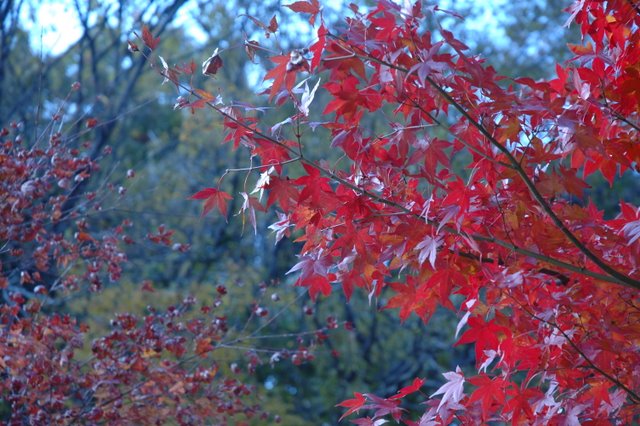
(165, 70)
(250, 46)
(297, 59)
(212, 64)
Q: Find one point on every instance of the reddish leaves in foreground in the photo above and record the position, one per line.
(547, 288)
(149, 40)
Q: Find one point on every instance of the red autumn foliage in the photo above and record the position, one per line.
(147, 369)
(545, 286)
(547, 289)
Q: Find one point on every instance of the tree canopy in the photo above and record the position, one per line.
(515, 248)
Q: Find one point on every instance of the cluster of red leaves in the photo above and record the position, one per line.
(48, 243)
(548, 287)
(147, 370)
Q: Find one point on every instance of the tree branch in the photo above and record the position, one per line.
(618, 276)
(552, 261)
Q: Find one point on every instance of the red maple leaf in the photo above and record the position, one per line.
(213, 198)
(413, 387)
(283, 191)
(312, 7)
(316, 284)
(283, 77)
(318, 47)
(486, 335)
(489, 392)
(271, 153)
(413, 297)
(148, 38)
(519, 404)
(353, 404)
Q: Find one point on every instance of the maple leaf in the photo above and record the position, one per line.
(428, 249)
(312, 7)
(213, 198)
(250, 47)
(281, 227)
(204, 95)
(307, 98)
(346, 97)
(271, 153)
(318, 47)
(316, 284)
(273, 24)
(452, 391)
(148, 38)
(519, 404)
(212, 64)
(490, 391)
(283, 191)
(462, 322)
(491, 355)
(353, 405)
(165, 70)
(413, 387)
(486, 335)
(249, 207)
(572, 183)
(283, 77)
(316, 190)
(270, 29)
(385, 406)
(313, 273)
(413, 297)
(444, 281)
(263, 181)
(631, 230)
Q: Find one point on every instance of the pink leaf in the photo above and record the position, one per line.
(452, 391)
